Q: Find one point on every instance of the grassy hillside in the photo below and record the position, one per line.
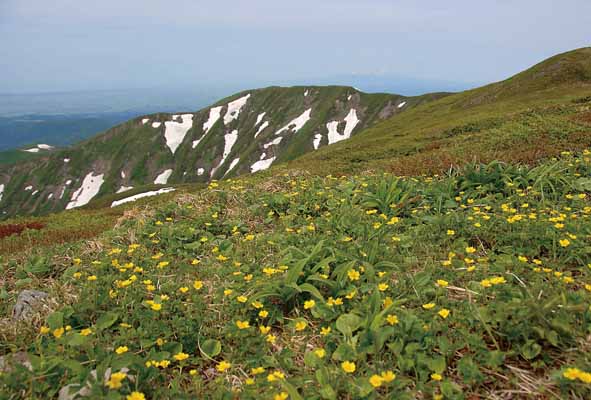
(212, 143)
(535, 114)
(330, 276)
(470, 285)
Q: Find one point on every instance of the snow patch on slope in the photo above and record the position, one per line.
(145, 121)
(273, 142)
(124, 189)
(229, 141)
(162, 179)
(175, 132)
(214, 115)
(351, 122)
(261, 165)
(141, 196)
(260, 118)
(402, 104)
(317, 139)
(263, 126)
(234, 108)
(1, 191)
(156, 124)
(232, 165)
(90, 187)
(297, 123)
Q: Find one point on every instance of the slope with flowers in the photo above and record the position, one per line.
(474, 284)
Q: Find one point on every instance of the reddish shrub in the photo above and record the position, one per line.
(17, 229)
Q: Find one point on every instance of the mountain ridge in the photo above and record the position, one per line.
(242, 133)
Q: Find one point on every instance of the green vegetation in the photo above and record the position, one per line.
(442, 253)
(472, 284)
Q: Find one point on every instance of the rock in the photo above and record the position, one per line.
(26, 302)
(21, 358)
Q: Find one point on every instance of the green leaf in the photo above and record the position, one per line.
(292, 391)
(106, 320)
(530, 350)
(211, 347)
(348, 323)
(55, 320)
(77, 339)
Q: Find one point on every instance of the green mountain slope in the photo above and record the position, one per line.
(534, 114)
(244, 133)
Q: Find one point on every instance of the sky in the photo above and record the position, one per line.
(69, 45)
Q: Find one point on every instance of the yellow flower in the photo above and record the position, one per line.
(223, 366)
(242, 324)
(470, 250)
(320, 353)
(442, 283)
(86, 332)
(91, 278)
(195, 262)
(242, 299)
(198, 285)
(249, 237)
(184, 289)
(451, 232)
(181, 356)
(136, 396)
(388, 376)
(392, 319)
(436, 377)
(376, 381)
(44, 330)
(257, 304)
(257, 371)
(263, 313)
(428, 306)
(281, 396)
(564, 242)
(121, 349)
(325, 331)
(249, 381)
(115, 380)
(264, 329)
(58, 332)
(228, 292)
(156, 306)
(382, 287)
(348, 366)
(300, 325)
(353, 275)
(271, 339)
(309, 304)
(443, 313)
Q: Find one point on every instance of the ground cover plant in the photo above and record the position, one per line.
(476, 283)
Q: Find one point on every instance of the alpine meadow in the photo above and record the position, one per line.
(309, 242)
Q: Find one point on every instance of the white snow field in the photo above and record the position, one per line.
(175, 131)
(214, 115)
(274, 142)
(402, 104)
(351, 121)
(261, 165)
(156, 124)
(260, 118)
(234, 108)
(232, 165)
(297, 123)
(124, 189)
(317, 139)
(162, 179)
(141, 196)
(229, 141)
(89, 188)
(145, 121)
(263, 126)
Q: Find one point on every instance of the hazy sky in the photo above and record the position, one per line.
(89, 44)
